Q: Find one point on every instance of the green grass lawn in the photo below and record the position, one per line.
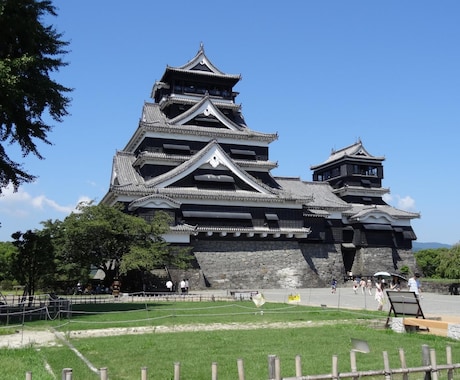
(124, 356)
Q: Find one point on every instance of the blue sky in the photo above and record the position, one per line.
(322, 74)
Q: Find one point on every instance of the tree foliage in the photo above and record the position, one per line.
(449, 263)
(7, 252)
(29, 52)
(33, 263)
(155, 251)
(114, 241)
(428, 260)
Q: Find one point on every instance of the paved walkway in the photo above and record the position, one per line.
(433, 305)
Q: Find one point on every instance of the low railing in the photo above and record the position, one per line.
(17, 309)
(430, 369)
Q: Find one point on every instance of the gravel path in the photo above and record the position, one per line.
(40, 338)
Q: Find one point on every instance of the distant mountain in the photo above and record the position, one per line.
(417, 246)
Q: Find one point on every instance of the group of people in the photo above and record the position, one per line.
(366, 285)
(363, 284)
(413, 284)
(183, 284)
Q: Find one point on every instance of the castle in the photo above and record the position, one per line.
(193, 157)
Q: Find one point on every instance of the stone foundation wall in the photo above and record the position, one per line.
(224, 264)
(266, 264)
(370, 260)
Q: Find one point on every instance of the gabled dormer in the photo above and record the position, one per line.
(354, 174)
(211, 167)
(206, 114)
(350, 166)
(196, 78)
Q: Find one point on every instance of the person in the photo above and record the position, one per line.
(333, 285)
(79, 288)
(182, 286)
(169, 285)
(116, 287)
(355, 285)
(379, 296)
(362, 285)
(414, 284)
(369, 286)
(395, 284)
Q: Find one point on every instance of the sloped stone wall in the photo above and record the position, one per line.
(370, 260)
(267, 264)
(223, 264)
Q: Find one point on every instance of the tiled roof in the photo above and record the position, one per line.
(235, 77)
(123, 173)
(145, 157)
(355, 150)
(201, 59)
(257, 230)
(193, 99)
(359, 211)
(151, 113)
(321, 193)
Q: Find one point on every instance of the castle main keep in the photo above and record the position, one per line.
(193, 157)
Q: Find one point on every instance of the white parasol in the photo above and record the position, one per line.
(382, 274)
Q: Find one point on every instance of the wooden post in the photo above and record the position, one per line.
(386, 366)
(240, 365)
(335, 367)
(298, 366)
(65, 371)
(271, 367)
(426, 360)
(144, 373)
(103, 372)
(402, 358)
(214, 371)
(434, 365)
(277, 368)
(28, 375)
(353, 366)
(450, 371)
(177, 371)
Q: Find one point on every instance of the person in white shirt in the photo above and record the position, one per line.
(414, 284)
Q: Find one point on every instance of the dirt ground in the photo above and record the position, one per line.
(40, 338)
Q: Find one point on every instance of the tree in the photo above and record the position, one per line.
(154, 251)
(29, 52)
(34, 260)
(428, 260)
(65, 271)
(105, 236)
(7, 252)
(449, 265)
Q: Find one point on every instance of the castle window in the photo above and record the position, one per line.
(365, 170)
(271, 217)
(214, 178)
(378, 227)
(216, 215)
(245, 154)
(172, 148)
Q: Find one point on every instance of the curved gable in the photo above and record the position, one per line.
(210, 156)
(207, 108)
(201, 63)
(155, 200)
